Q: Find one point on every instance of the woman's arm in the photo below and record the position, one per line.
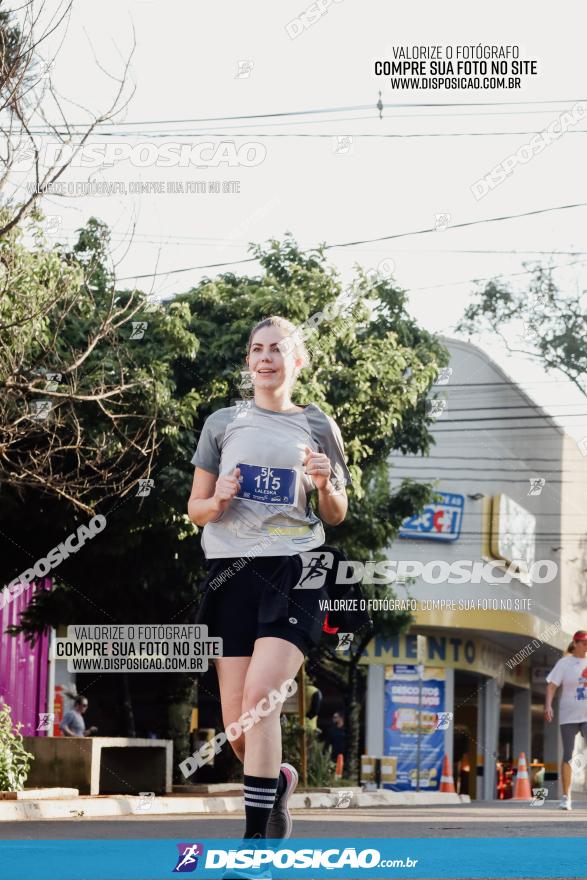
(550, 690)
(332, 504)
(66, 731)
(211, 495)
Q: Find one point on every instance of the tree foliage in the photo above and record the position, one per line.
(372, 369)
(14, 758)
(34, 115)
(554, 324)
(84, 407)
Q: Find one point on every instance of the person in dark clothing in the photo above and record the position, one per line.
(336, 735)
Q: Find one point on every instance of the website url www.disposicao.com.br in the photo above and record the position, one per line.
(326, 859)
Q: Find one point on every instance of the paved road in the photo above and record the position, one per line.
(497, 819)
(488, 820)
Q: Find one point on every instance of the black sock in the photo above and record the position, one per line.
(259, 799)
(281, 784)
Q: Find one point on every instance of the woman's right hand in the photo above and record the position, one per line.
(227, 486)
(548, 713)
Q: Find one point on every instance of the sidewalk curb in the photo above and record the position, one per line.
(123, 805)
(39, 794)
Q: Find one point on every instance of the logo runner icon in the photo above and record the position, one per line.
(314, 571)
(345, 641)
(187, 860)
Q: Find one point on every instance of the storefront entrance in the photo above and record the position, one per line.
(467, 685)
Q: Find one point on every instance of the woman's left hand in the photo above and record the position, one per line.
(318, 467)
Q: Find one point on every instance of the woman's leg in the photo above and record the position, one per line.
(274, 662)
(232, 672)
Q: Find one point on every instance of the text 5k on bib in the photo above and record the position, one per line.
(268, 485)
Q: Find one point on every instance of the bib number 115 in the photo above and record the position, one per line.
(267, 480)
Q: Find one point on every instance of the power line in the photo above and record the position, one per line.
(507, 428)
(314, 111)
(396, 235)
(546, 536)
(488, 277)
(500, 480)
(309, 135)
(475, 251)
(433, 469)
(465, 385)
(477, 280)
(569, 543)
(462, 225)
(479, 458)
(209, 241)
(545, 416)
(533, 406)
(230, 129)
(522, 417)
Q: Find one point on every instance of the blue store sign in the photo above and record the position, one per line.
(440, 521)
(404, 717)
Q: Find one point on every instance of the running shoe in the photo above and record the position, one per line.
(565, 802)
(248, 873)
(280, 822)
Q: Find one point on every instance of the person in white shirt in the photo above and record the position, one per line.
(570, 674)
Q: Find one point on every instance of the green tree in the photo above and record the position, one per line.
(553, 325)
(116, 418)
(12, 58)
(372, 370)
(85, 407)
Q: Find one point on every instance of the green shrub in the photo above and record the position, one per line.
(320, 763)
(14, 759)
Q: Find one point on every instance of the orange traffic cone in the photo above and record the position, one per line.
(522, 791)
(447, 782)
(339, 767)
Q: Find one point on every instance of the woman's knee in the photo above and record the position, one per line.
(256, 694)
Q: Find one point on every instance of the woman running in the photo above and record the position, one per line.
(570, 674)
(257, 465)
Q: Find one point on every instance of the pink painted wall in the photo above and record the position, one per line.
(24, 668)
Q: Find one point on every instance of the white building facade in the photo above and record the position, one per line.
(513, 514)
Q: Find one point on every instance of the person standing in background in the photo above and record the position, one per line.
(570, 674)
(73, 723)
(336, 735)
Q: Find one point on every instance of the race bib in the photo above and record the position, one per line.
(269, 485)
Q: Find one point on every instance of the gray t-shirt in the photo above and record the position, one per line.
(271, 515)
(75, 721)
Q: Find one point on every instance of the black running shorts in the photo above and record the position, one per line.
(568, 734)
(242, 597)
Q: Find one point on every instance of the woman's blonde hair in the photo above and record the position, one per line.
(295, 340)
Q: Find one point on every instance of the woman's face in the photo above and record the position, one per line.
(271, 359)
